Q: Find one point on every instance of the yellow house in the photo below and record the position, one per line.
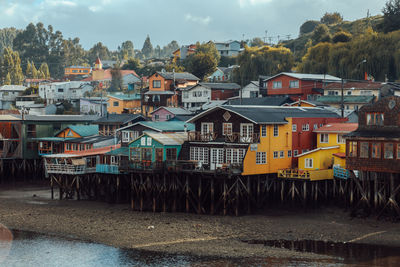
(124, 103)
(330, 151)
(276, 142)
(77, 70)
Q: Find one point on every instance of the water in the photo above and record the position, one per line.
(32, 249)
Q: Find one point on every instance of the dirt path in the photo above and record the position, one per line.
(30, 208)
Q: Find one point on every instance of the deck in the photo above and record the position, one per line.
(311, 175)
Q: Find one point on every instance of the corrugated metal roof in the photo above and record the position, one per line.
(85, 130)
(334, 99)
(221, 86)
(175, 111)
(307, 76)
(10, 117)
(59, 118)
(178, 76)
(125, 97)
(367, 85)
(169, 139)
(168, 126)
(13, 88)
(261, 101)
(118, 118)
(85, 153)
(337, 128)
(122, 151)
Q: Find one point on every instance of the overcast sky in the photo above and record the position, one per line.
(186, 21)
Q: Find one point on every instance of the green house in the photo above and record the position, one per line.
(153, 148)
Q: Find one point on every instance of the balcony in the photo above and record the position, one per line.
(312, 175)
(231, 138)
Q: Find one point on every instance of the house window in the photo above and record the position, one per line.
(388, 150)
(199, 154)
(294, 128)
(376, 150)
(31, 131)
(348, 92)
(156, 84)
(340, 139)
(156, 117)
(143, 141)
(87, 147)
(227, 129)
(364, 150)
(282, 154)
(115, 103)
(352, 149)
(294, 84)
(134, 154)
(308, 163)
(324, 138)
(263, 130)
(315, 126)
(81, 147)
(305, 127)
(304, 151)
(113, 160)
(125, 137)
(74, 147)
(276, 130)
(246, 132)
(289, 153)
(207, 129)
(261, 157)
(398, 151)
(148, 143)
(277, 84)
(68, 147)
(295, 153)
(234, 155)
(171, 153)
(375, 119)
(60, 90)
(168, 117)
(276, 154)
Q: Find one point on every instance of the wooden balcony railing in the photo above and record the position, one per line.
(230, 138)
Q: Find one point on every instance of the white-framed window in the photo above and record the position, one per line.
(294, 84)
(341, 139)
(113, 160)
(143, 141)
(308, 163)
(294, 128)
(295, 153)
(207, 129)
(281, 154)
(305, 127)
(199, 154)
(304, 151)
(125, 137)
(324, 138)
(226, 128)
(246, 132)
(185, 95)
(261, 157)
(276, 154)
(168, 117)
(315, 126)
(234, 155)
(148, 141)
(68, 147)
(289, 153)
(276, 130)
(277, 84)
(156, 84)
(263, 130)
(87, 146)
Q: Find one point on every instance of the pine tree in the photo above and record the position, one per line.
(28, 72)
(7, 81)
(34, 71)
(147, 49)
(44, 68)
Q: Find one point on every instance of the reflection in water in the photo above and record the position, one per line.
(32, 249)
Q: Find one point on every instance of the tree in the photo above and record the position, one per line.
(132, 64)
(98, 50)
(116, 79)
(204, 61)
(341, 36)
(256, 42)
(74, 54)
(7, 80)
(126, 50)
(147, 49)
(44, 70)
(34, 72)
(391, 16)
(331, 18)
(321, 34)
(173, 66)
(308, 26)
(10, 68)
(167, 50)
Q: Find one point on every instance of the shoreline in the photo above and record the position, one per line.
(29, 208)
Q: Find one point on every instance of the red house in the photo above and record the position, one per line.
(298, 85)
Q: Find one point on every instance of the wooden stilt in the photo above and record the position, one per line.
(212, 196)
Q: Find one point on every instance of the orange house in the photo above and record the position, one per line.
(77, 70)
(124, 103)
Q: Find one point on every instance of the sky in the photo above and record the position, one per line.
(186, 21)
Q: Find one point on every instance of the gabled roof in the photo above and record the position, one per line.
(270, 114)
(62, 118)
(90, 139)
(317, 149)
(367, 85)
(118, 118)
(83, 130)
(175, 111)
(310, 102)
(337, 128)
(178, 76)
(163, 126)
(18, 88)
(261, 101)
(91, 152)
(306, 76)
(169, 139)
(334, 99)
(221, 86)
(122, 151)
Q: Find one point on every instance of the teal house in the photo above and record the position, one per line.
(152, 149)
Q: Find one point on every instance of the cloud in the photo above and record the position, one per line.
(65, 3)
(200, 20)
(244, 3)
(11, 9)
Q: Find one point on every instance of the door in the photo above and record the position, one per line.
(159, 155)
(217, 158)
(207, 129)
(246, 132)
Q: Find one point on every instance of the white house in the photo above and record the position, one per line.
(194, 97)
(8, 94)
(251, 90)
(58, 91)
